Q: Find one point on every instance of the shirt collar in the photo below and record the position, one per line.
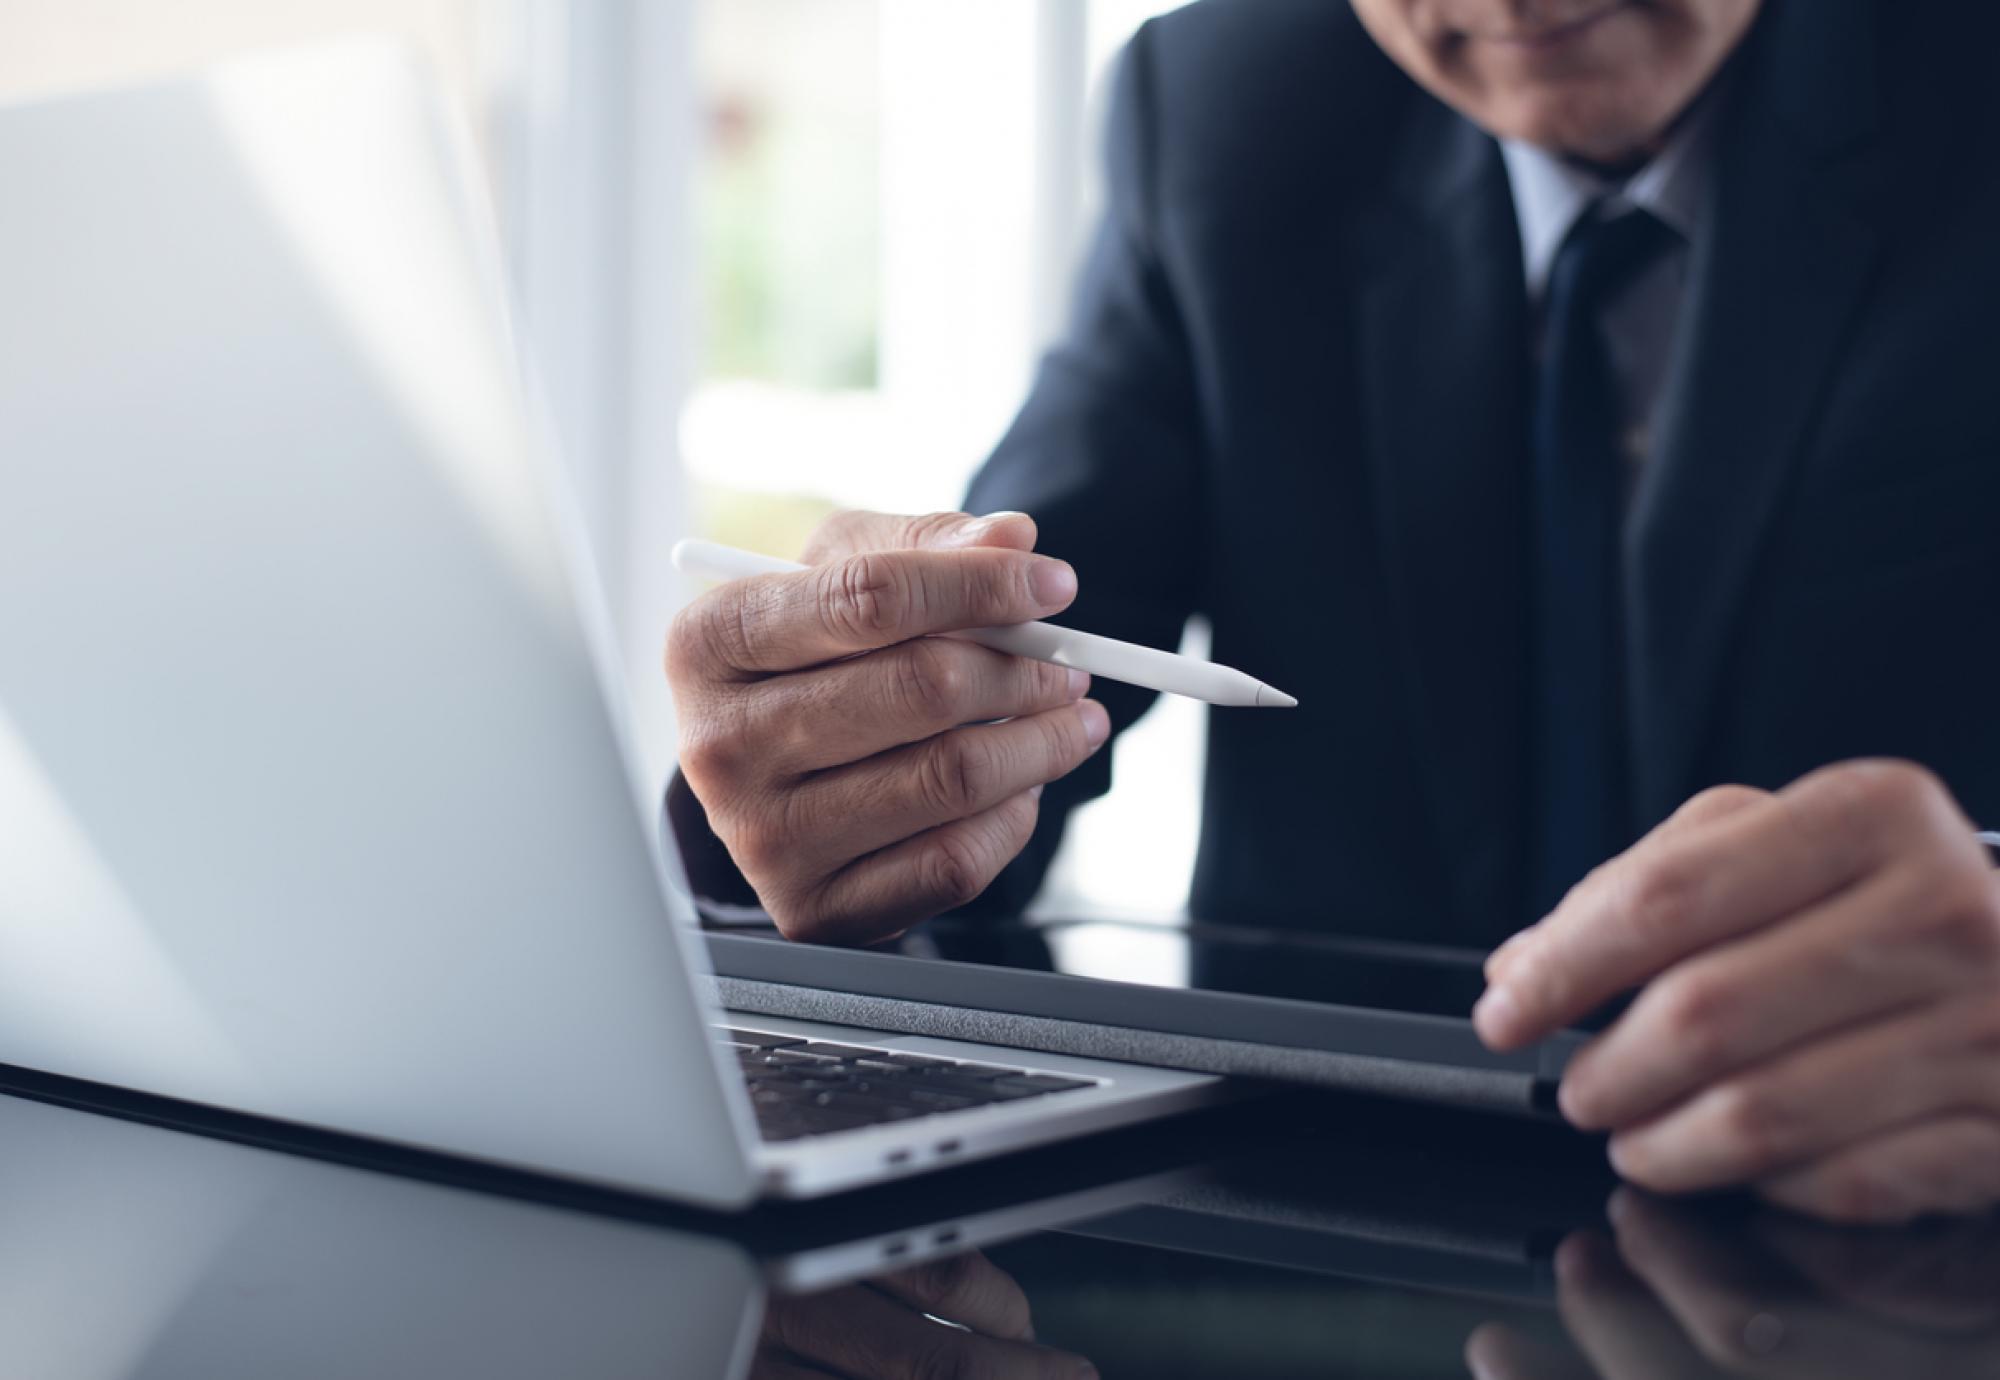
(1550, 193)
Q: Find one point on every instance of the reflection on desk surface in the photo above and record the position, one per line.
(1357, 1240)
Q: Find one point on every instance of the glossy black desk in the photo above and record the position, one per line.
(1310, 1238)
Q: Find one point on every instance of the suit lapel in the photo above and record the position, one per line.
(1777, 275)
(1443, 325)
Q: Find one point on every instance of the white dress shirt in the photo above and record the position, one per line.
(1550, 194)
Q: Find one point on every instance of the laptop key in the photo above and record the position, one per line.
(876, 1108)
(983, 1071)
(979, 1089)
(880, 1066)
(999, 1091)
(1043, 1082)
(913, 1061)
(789, 1059)
(756, 1039)
(832, 1051)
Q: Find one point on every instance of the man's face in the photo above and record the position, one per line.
(1596, 79)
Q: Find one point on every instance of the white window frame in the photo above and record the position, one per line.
(594, 139)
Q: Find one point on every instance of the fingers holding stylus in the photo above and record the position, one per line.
(891, 796)
(769, 624)
(844, 751)
(882, 894)
(899, 695)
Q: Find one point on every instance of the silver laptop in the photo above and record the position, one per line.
(314, 800)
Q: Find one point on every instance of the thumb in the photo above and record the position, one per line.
(847, 533)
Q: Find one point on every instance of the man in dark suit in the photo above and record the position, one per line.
(1579, 405)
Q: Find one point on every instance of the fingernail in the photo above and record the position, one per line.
(1053, 582)
(1496, 1014)
(1035, 791)
(1096, 723)
(1079, 681)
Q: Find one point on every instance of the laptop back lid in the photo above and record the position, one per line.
(312, 802)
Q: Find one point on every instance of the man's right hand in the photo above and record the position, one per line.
(844, 754)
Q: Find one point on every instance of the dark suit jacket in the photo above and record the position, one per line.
(1293, 401)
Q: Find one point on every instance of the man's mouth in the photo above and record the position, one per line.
(1541, 37)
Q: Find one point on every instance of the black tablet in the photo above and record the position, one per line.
(1275, 1002)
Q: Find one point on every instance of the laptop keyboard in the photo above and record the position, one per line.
(803, 1087)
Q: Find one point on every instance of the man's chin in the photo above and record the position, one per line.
(1583, 122)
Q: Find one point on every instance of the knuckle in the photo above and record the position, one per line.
(1048, 683)
(1857, 1196)
(800, 925)
(1018, 818)
(1887, 788)
(1756, 1127)
(952, 870)
(1694, 1019)
(795, 733)
(932, 682)
(1661, 897)
(919, 530)
(707, 632)
(1596, 890)
(996, 588)
(710, 756)
(681, 655)
(1967, 920)
(1948, 901)
(958, 773)
(812, 912)
(757, 848)
(865, 598)
(732, 628)
(1717, 801)
(1062, 740)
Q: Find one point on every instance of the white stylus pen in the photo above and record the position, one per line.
(1100, 656)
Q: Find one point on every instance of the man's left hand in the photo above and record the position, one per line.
(1820, 1007)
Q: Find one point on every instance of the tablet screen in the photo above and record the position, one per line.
(1287, 964)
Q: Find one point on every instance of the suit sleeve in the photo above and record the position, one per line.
(1106, 452)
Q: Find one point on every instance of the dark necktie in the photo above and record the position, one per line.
(1579, 738)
